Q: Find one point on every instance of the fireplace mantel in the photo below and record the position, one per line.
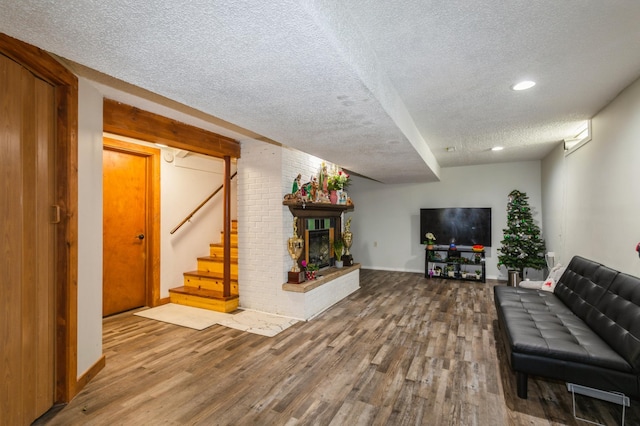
(299, 209)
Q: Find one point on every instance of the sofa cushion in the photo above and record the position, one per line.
(556, 272)
(528, 299)
(549, 284)
(537, 323)
(583, 284)
(616, 317)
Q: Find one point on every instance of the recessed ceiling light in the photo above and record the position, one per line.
(497, 148)
(523, 85)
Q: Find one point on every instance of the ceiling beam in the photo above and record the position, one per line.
(126, 120)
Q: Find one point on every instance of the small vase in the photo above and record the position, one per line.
(311, 275)
(339, 263)
(333, 197)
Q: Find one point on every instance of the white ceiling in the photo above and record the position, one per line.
(379, 87)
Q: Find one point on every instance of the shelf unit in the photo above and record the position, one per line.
(461, 260)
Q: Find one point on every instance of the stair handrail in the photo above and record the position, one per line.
(213, 194)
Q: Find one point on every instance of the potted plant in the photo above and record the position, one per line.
(338, 249)
(451, 271)
(310, 270)
(478, 273)
(437, 271)
(464, 274)
(337, 182)
(431, 239)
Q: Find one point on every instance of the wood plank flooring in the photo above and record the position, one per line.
(403, 350)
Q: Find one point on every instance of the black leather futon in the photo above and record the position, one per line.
(586, 332)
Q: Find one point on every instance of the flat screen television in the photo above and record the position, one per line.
(467, 226)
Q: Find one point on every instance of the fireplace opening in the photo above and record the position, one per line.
(320, 248)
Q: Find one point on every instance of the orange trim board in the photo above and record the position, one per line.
(90, 373)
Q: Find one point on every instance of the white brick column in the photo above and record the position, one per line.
(265, 174)
(260, 262)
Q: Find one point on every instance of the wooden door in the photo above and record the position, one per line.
(27, 245)
(124, 230)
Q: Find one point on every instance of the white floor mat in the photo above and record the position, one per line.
(251, 321)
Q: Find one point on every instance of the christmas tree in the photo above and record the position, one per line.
(522, 246)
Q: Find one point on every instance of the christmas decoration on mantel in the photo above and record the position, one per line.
(323, 188)
(522, 246)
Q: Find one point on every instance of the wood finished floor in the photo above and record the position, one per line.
(403, 350)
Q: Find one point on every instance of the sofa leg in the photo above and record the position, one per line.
(521, 381)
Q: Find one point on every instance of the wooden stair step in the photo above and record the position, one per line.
(208, 280)
(217, 259)
(217, 250)
(209, 294)
(222, 245)
(234, 238)
(216, 264)
(202, 298)
(207, 274)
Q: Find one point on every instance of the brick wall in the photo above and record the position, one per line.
(265, 174)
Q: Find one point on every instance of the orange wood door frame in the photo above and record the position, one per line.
(152, 215)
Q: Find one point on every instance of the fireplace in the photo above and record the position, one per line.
(318, 225)
(319, 245)
(318, 240)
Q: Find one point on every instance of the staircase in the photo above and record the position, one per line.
(203, 288)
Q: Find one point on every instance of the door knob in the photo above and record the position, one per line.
(140, 237)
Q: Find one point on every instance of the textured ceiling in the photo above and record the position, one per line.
(381, 88)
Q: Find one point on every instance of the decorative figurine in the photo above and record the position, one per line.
(296, 185)
(294, 246)
(347, 237)
(324, 178)
(314, 190)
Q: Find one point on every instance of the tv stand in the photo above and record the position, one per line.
(458, 264)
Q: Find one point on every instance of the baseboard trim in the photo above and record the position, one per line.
(90, 374)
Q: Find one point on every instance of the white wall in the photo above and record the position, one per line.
(597, 189)
(386, 219)
(186, 182)
(553, 190)
(89, 225)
